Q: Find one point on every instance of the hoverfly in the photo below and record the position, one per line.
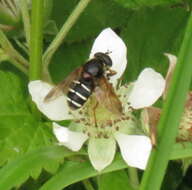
(92, 77)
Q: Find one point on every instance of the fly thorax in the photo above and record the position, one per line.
(94, 68)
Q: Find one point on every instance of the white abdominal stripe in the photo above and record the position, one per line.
(75, 103)
(77, 82)
(78, 95)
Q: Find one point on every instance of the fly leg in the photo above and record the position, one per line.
(94, 113)
(110, 73)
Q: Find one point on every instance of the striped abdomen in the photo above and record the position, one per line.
(79, 93)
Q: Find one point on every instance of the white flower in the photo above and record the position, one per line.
(147, 89)
(108, 41)
(135, 147)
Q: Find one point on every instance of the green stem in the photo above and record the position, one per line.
(46, 75)
(36, 45)
(9, 49)
(87, 184)
(19, 66)
(36, 42)
(64, 31)
(13, 56)
(23, 46)
(133, 177)
(26, 19)
(171, 114)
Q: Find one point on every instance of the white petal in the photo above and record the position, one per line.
(54, 110)
(135, 149)
(109, 41)
(70, 139)
(147, 89)
(101, 152)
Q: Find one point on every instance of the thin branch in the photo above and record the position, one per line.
(64, 31)
(9, 49)
(133, 177)
(13, 56)
(26, 19)
(19, 66)
(87, 184)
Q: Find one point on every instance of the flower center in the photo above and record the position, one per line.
(98, 122)
(185, 128)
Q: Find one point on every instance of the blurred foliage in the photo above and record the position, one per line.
(173, 175)
(186, 181)
(98, 15)
(136, 4)
(148, 33)
(114, 180)
(20, 131)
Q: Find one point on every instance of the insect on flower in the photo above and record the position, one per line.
(91, 91)
(92, 77)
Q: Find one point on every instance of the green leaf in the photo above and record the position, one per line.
(114, 181)
(20, 134)
(144, 30)
(31, 164)
(50, 28)
(181, 150)
(68, 58)
(73, 172)
(48, 6)
(12, 100)
(149, 34)
(20, 131)
(146, 3)
(98, 15)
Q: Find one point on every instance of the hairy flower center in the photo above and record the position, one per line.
(98, 122)
(185, 128)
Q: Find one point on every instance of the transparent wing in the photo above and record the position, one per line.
(63, 87)
(105, 95)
